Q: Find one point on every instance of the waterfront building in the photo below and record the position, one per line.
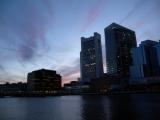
(118, 41)
(73, 87)
(44, 80)
(13, 87)
(91, 63)
(145, 61)
(157, 49)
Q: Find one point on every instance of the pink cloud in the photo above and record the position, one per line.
(71, 77)
(70, 73)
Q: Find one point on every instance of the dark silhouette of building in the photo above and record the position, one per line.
(91, 58)
(72, 83)
(145, 61)
(73, 87)
(108, 82)
(44, 81)
(13, 87)
(157, 52)
(119, 41)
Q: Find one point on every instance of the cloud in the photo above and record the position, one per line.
(2, 69)
(11, 78)
(25, 24)
(93, 14)
(152, 12)
(23, 28)
(6, 76)
(70, 73)
(135, 8)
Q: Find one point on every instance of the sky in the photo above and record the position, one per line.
(37, 34)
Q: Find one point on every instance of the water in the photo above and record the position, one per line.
(114, 107)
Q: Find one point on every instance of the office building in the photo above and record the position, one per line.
(118, 41)
(91, 62)
(157, 49)
(145, 60)
(44, 81)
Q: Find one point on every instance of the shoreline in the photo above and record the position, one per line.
(77, 94)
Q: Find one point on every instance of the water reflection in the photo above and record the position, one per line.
(122, 107)
(113, 107)
(146, 106)
(95, 107)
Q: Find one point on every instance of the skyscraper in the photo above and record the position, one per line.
(91, 63)
(157, 49)
(145, 60)
(119, 41)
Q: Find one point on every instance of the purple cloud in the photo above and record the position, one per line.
(27, 22)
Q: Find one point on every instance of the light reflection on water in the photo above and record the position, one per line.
(114, 107)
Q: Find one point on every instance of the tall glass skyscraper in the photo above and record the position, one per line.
(119, 41)
(146, 61)
(91, 58)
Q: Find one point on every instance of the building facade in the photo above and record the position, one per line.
(43, 80)
(157, 49)
(91, 63)
(145, 60)
(119, 41)
(13, 87)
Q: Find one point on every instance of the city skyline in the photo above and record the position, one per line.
(44, 34)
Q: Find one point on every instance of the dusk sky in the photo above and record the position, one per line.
(37, 34)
